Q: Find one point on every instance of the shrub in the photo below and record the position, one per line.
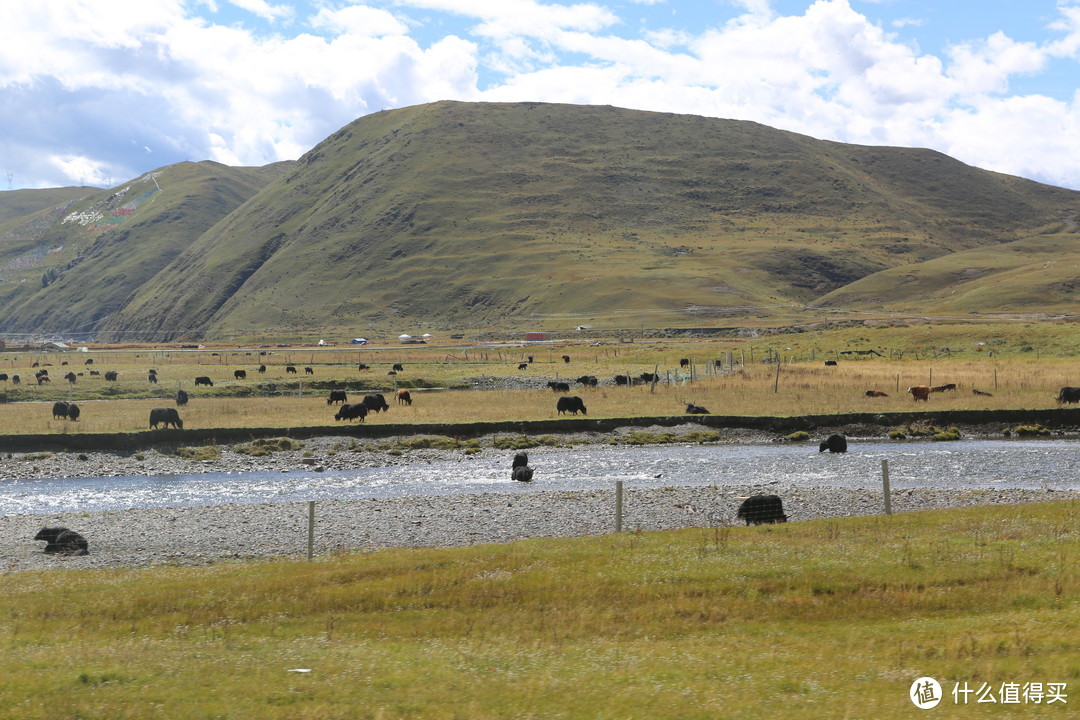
(206, 452)
(799, 436)
(1030, 430)
(266, 446)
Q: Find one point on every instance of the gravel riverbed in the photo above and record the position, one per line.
(201, 535)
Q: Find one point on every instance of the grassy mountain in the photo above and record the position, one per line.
(17, 205)
(463, 214)
(72, 265)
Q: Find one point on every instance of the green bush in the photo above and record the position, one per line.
(799, 436)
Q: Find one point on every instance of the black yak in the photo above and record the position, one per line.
(833, 443)
(762, 510)
(64, 541)
(571, 404)
(165, 417)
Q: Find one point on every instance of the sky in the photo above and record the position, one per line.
(98, 92)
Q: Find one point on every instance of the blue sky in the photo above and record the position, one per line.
(100, 91)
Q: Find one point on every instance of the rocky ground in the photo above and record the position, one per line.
(199, 535)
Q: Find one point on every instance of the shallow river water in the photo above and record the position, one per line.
(968, 464)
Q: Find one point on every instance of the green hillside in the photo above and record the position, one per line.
(77, 263)
(458, 215)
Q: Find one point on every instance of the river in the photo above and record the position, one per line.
(965, 464)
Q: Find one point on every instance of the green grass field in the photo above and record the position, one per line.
(822, 619)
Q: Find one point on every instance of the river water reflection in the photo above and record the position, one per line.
(972, 464)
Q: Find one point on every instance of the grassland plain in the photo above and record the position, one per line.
(829, 618)
(1021, 365)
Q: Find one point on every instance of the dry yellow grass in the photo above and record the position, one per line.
(800, 389)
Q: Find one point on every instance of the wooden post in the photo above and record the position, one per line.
(776, 382)
(618, 505)
(310, 529)
(995, 379)
(885, 486)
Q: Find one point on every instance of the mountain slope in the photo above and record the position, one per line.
(65, 271)
(484, 214)
(461, 213)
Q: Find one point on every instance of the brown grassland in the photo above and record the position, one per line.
(1017, 376)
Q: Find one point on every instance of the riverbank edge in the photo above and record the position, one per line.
(1061, 420)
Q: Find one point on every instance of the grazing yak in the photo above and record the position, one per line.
(73, 411)
(3, 377)
(834, 444)
(181, 397)
(152, 378)
(111, 375)
(353, 411)
(262, 368)
(63, 541)
(203, 380)
(977, 391)
(15, 379)
(830, 363)
(920, 392)
(375, 402)
(876, 393)
(309, 371)
(337, 396)
(523, 366)
(398, 367)
(240, 374)
(566, 358)
(692, 409)
(943, 388)
(559, 386)
(649, 377)
(519, 468)
(290, 369)
(60, 410)
(404, 397)
(1068, 394)
(571, 404)
(762, 510)
(588, 380)
(165, 417)
(70, 377)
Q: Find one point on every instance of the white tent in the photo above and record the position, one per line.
(404, 337)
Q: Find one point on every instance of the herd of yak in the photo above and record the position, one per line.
(376, 402)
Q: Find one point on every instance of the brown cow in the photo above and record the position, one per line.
(403, 397)
(920, 392)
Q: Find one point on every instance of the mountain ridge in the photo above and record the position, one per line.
(494, 214)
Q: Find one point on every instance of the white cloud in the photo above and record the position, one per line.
(359, 20)
(263, 9)
(86, 84)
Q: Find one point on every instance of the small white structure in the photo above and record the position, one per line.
(403, 338)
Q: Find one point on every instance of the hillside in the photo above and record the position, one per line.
(459, 215)
(72, 265)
